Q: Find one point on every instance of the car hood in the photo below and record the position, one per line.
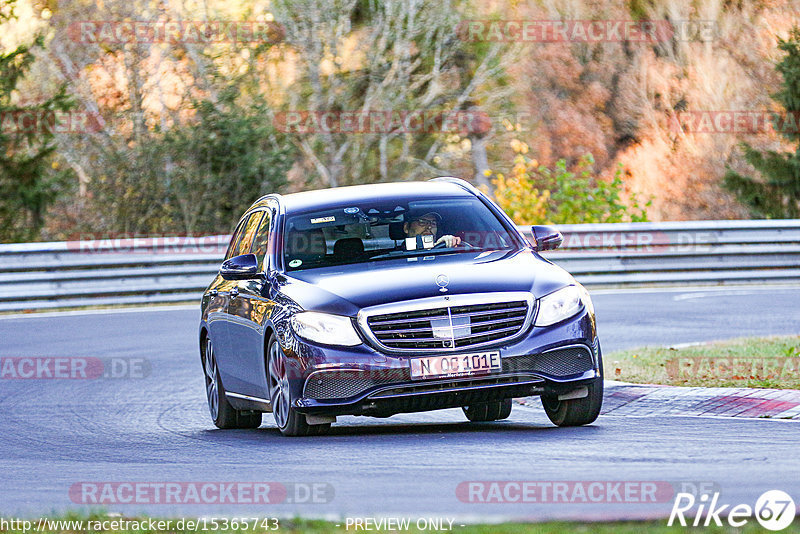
(346, 289)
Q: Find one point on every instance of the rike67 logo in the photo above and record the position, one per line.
(774, 510)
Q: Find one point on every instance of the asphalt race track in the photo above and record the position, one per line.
(56, 433)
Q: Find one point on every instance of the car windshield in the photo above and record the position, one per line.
(361, 232)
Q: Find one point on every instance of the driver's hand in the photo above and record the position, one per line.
(449, 241)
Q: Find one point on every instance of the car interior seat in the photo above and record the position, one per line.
(396, 231)
(306, 245)
(347, 248)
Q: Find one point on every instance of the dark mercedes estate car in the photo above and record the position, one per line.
(381, 299)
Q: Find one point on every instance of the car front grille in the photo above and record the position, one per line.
(450, 327)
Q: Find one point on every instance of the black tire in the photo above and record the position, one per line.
(577, 412)
(290, 422)
(488, 411)
(222, 413)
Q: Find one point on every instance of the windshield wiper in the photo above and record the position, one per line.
(421, 252)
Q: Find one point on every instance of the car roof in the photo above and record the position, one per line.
(322, 198)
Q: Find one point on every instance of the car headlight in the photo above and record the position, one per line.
(559, 305)
(325, 328)
(587, 300)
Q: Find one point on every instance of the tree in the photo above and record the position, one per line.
(225, 160)
(28, 180)
(777, 196)
(532, 193)
(373, 56)
(195, 177)
(187, 141)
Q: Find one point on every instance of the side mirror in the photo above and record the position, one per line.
(243, 267)
(546, 237)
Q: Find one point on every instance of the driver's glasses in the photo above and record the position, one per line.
(428, 223)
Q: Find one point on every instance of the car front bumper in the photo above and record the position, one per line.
(362, 381)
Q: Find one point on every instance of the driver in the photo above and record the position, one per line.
(428, 224)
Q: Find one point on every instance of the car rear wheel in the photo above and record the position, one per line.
(488, 411)
(223, 414)
(290, 422)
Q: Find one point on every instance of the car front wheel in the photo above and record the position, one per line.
(575, 412)
(290, 422)
(223, 414)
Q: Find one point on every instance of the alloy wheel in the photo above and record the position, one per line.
(278, 385)
(212, 383)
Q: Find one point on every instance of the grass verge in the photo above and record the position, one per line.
(766, 362)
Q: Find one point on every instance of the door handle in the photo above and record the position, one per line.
(234, 292)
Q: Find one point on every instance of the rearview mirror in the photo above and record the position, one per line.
(243, 267)
(546, 238)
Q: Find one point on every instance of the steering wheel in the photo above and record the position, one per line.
(462, 244)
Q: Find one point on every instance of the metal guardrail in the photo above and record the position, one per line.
(36, 276)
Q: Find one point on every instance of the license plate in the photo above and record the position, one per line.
(456, 365)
